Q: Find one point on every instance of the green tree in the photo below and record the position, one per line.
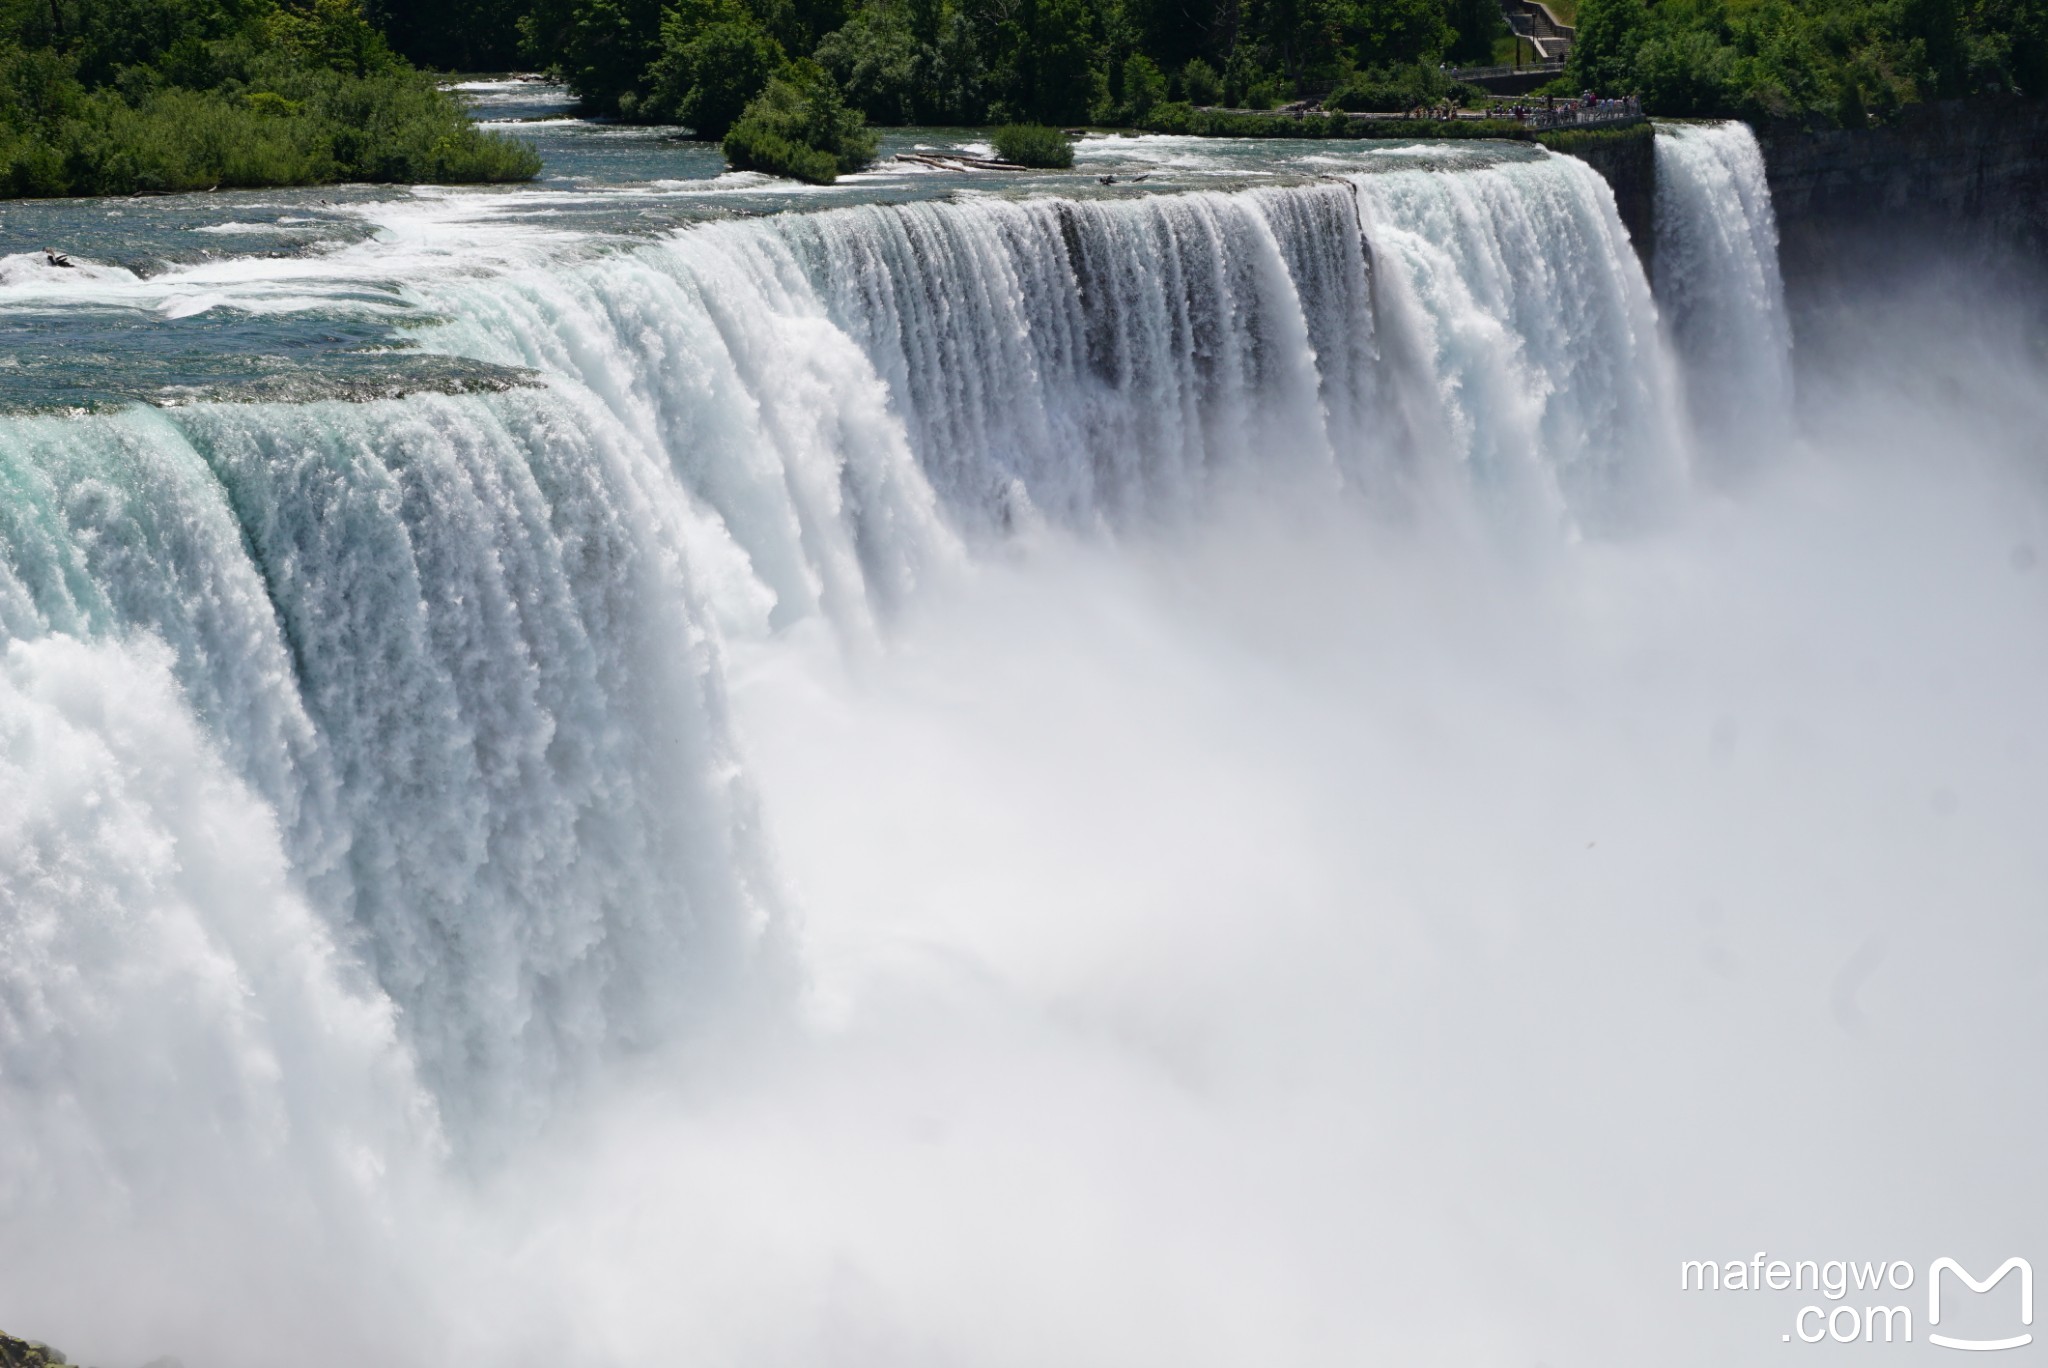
(877, 61)
(603, 48)
(800, 126)
(715, 58)
(1474, 24)
(1299, 41)
(1397, 33)
(1144, 88)
(1609, 32)
(454, 35)
(1200, 83)
(112, 96)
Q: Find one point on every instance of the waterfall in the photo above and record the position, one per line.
(444, 674)
(453, 646)
(1718, 280)
(1099, 363)
(1537, 333)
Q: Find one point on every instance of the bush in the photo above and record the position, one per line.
(1200, 84)
(270, 96)
(1389, 92)
(755, 145)
(1034, 145)
(800, 127)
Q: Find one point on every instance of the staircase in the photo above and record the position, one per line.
(1532, 19)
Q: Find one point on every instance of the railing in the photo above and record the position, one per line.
(1606, 114)
(1494, 72)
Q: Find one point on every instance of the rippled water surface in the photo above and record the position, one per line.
(303, 294)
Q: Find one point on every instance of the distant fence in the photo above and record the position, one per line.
(1496, 73)
(1607, 114)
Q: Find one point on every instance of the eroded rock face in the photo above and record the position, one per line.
(1961, 178)
(1629, 164)
(20, 1353)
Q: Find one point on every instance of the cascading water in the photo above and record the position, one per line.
(1089, 362)
(1717, 278)
(465, 649)
(373, 799)
(454, 646)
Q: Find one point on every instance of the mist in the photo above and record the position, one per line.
(1258, 925)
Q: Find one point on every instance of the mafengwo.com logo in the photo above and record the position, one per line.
(1862, 1303)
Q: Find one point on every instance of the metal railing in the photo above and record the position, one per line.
(1555, 64)
(1606, 114)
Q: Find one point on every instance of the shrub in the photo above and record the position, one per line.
(1200, 83)
(1389, 91)
(755, 145)
(1034, 145)
(800, 127)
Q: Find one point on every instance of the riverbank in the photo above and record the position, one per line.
(254, 97)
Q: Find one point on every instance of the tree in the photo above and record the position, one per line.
(1475, 24)
(1604, 48)
(875, 58)
(455, 35)
(603, 48)
(1066, 83)
(715, 58)
(1144, 87)
(800, 126)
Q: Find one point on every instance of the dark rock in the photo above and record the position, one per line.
(20, 1353)
(1628, 162)
(1961, 181)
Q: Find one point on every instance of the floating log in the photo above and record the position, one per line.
(945, 162)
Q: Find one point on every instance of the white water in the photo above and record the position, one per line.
(1717, 276)
(1006, 782)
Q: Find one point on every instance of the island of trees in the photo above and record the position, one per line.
(115, 96)
(112, 96)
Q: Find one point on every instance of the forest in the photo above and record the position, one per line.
(1068, 62)
(115, 96)
(119, 96)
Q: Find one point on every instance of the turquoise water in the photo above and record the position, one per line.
(307, 294)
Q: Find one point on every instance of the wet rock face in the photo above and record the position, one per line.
(1629, 165)
(1962, 178)
(20, 1353)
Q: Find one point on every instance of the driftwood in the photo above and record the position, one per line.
(951, 162)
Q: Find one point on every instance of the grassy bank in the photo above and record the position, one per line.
(1577, 140)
